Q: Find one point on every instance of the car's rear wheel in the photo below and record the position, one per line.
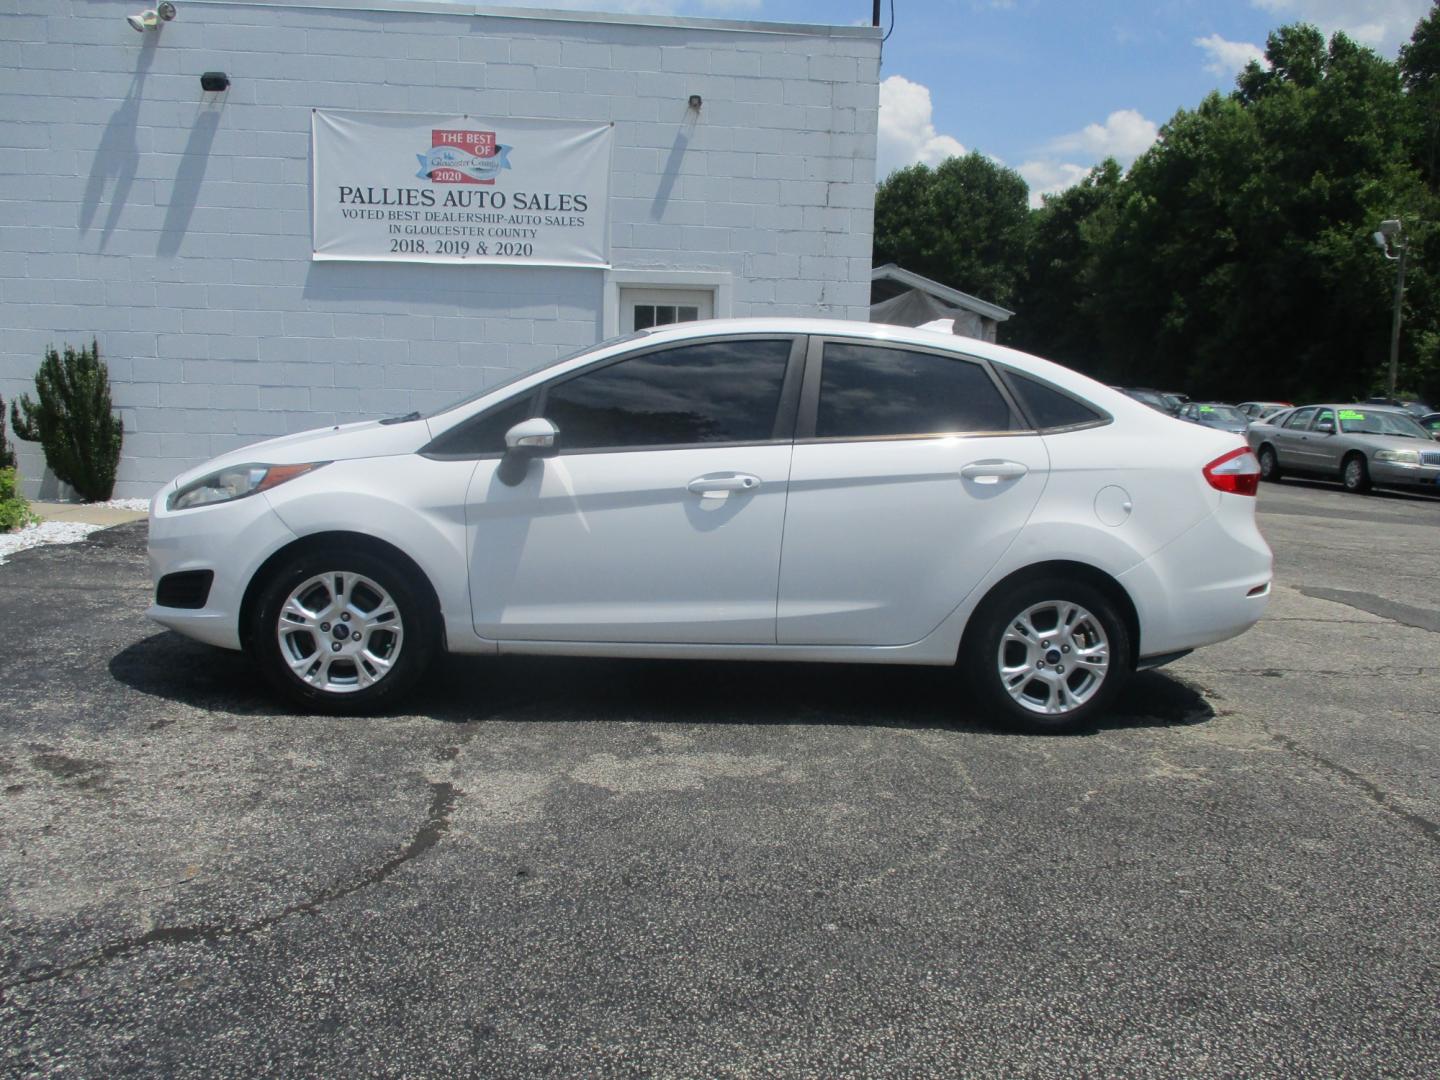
(342, 631)
(1049, 655)
(1269, 464)
(1355, 474)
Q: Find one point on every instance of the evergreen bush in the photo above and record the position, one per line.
(14, 509)
(73, 421)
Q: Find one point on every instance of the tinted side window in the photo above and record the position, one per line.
(485, 434)
(722, 391)
(1300, 418)
(1048, 407)
(870, 390)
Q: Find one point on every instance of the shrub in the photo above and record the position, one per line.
(73, 421)
(7, 455)
(14, 509)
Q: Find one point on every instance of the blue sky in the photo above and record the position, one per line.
(1050, 87)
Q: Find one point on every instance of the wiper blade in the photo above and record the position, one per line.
(401, 419)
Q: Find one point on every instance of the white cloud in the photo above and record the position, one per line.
(1384, 24)
(1050, 177)
(1226, 58)
(907, 131)
(1124, 135)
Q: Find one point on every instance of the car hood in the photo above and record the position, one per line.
(368, 438)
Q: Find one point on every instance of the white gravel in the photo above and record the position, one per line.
(127, 504)
(47, 532)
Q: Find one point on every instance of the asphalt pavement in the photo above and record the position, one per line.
(597, 868)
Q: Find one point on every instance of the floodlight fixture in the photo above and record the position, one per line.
(151, 18)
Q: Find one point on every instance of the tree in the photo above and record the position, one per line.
(962, 223)
(73, 420)
(1059, 310)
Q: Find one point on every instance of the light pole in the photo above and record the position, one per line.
(1391, 238)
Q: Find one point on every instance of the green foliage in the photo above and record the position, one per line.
(7, 452)
(1235, 259)
(14, 509)
(73, 421)
(1060, 311)
(962, 223)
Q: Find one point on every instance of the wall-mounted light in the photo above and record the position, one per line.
(152, 18)
(214, 82)
(695, 102)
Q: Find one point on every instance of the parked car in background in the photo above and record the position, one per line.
(749, 489)
(1258, 410)
(1413, 406)
(1215, 414)
(1359, 445)
(1174, 399)
(1146, 396)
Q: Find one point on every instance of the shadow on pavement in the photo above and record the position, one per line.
(563, 690)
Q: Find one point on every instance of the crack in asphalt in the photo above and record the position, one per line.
(437, 822)
(1382, 798)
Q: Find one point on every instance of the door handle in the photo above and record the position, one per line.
(992, 472)
(721, 484)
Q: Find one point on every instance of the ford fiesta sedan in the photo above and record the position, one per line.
(761, 489)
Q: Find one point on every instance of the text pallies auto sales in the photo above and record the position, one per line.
(465, 198)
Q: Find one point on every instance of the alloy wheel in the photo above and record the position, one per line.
(1053, 657)
(340, 632)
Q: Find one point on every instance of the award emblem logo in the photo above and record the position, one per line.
(458, 156)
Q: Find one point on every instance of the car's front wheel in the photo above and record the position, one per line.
(342, 631)
(1049, 655)
(1355, 474)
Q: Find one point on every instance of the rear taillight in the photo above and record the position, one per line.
(1238, 472)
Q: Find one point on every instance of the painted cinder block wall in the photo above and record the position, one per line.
(174, 226)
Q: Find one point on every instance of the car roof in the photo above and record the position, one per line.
(1062, 376)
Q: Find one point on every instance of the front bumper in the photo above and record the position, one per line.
(230, 539)
(1398, 474)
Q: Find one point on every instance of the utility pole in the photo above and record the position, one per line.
(1391, 236)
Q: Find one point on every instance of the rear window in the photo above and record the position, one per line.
(871, 391)
(1047, 406)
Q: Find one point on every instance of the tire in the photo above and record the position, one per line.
(1355, 474)
(1269, 464)
(1016, 657)
(343, 632)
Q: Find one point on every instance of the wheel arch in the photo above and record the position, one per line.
(330, 541)
(1074, 571)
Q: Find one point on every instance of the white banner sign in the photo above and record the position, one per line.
(460, 189)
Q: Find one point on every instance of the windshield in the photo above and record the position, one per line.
(1369, 422)
(1222, 414)
(526, 374)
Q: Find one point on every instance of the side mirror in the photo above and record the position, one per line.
(1326, 427)
(534, 438)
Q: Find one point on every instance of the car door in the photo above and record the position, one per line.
(660, 519)
(910, 478)
(1323, 448)
(1290, 449)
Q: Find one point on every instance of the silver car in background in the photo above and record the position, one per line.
(1359, 445)
(1215, 414)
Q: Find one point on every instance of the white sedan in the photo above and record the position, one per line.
(754, 489)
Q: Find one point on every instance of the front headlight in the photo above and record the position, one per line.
(235, 483)
(1399, 457)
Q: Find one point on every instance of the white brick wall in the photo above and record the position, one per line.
(178, 233)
